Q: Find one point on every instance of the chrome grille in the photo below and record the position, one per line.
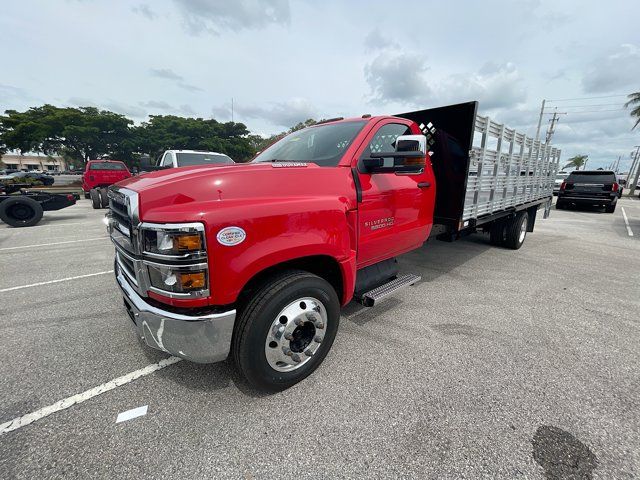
(119, 210)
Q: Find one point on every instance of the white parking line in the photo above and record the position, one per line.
(626, 222)
(42, 225)
(55, 243)
(54, 281)
(84, 396)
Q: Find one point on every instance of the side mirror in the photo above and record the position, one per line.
(409, 157)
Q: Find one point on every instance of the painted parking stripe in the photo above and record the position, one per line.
(626, 222)
(42, 225)
(55, 243)
(54, 281)
(29, 418)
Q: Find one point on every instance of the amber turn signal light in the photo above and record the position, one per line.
(190, 281)
(183, 243)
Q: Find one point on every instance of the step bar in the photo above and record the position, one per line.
(372, 297)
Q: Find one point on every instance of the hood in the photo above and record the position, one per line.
(175, 194)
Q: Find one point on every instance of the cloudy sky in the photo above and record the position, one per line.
(283, 62)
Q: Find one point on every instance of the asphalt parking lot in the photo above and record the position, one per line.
(499, 364)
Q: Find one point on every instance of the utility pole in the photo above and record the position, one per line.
(632, 169)
(540, 120)
(632, 190)
(552, 128)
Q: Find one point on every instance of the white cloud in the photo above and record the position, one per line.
(282, 114)
(398, 77)
(618, 69)
(214, 15)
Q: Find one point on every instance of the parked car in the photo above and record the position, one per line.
(590, 187)
(560, 177)
(46, 180)
(188, 158)
(255, 260)
(98, 175)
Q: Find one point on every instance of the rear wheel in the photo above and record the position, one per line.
(516, 231)
(286, 330)
(610, 208)
(20, 211)
(95, 198)
(104, 199)
(560, 205)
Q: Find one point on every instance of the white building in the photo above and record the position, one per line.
(33, 162)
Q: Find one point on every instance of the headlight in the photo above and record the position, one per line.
(172, 241)
(177, 280)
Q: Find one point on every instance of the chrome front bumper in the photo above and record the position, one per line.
(200, 338)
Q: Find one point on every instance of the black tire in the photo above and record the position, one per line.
(610, 208)
(104, 199)
(496, 234)
(560, 205)
(256, 319)
(20, 211)
(95, 198)
(514, 237)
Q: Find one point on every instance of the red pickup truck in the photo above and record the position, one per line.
(100, 174)
(255, 260)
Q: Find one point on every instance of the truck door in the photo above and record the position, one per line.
(396, 211)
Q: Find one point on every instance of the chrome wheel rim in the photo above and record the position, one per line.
(295, 335)
(523, 231)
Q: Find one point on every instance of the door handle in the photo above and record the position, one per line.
(424, 184)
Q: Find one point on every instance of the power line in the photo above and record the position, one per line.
(591, 105)
(587, 98)
(594, 111)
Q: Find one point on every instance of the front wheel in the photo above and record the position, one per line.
(286, 330)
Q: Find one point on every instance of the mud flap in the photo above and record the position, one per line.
(547, 208)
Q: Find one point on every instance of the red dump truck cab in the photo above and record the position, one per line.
(103, 173)
(255, 260)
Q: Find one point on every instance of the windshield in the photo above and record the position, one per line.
(592, 177)
(186, 159)
(323, 145)
(107, 166)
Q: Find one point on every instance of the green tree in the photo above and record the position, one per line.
(165, 132)
(634, 101)
(77, 133)
(577, 161)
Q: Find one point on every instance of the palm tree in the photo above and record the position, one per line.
(577, 161)
(634, 100)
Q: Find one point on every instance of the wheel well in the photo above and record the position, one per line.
(324, 266)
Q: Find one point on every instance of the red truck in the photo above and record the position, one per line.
(255, 260)
(100, 174)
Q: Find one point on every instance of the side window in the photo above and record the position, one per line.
(167, 161)
(385, 138)
(384, 141)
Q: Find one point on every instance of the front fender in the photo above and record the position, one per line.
(276, 232)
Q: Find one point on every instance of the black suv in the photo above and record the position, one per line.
(590, 187)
